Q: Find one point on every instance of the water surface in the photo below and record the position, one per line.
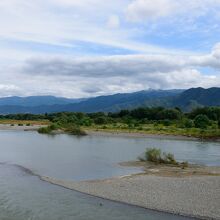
(24, 196)
(91, 157)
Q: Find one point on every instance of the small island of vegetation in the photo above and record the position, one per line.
(154, 155)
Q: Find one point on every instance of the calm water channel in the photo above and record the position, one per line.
(24, 196)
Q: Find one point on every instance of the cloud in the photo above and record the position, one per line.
(120, 65)
(9, 89)
(140, 10)
(211, 60)
(101, 75)
(146, 10)
(113, 21)
(62, 47)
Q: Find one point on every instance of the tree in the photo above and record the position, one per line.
(201, 121)
(100, 120)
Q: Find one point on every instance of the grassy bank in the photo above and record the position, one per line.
(209, 133)
(201, 123)
(24, 122)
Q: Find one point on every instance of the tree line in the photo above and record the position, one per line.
(198, 118)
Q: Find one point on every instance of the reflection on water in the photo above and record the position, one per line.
(24, 197)
(91, 157)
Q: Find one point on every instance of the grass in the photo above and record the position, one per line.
(158, 129)
(25, 122)
(208, 133)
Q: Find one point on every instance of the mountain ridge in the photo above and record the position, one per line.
(184, 99)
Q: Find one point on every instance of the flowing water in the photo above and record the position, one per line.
(24, 196)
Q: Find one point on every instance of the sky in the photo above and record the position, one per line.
(87, 48)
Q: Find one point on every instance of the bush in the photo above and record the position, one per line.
(53, 127)
(166, 122)
(154, 155)
(187, 123)
(44, 130)
(100, 120)
(168, 158)
(48, 129)
(20, 124)
(201, 121)
(75, 130)
(219, 123)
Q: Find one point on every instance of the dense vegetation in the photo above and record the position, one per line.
(201, 122)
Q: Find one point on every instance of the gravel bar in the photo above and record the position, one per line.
(190, 196)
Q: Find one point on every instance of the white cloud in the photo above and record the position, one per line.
(92, 76)
(140, 10)
(8, 90)
(113, 21)
(35, 35)
(211, 60)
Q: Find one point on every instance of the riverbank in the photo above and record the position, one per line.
(193, 191)
(35, 125)
(139, 135)
(23, 127)
(195, 196)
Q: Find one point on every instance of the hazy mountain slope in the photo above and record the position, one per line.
(186, 100)
(121, 101)
(196, 97)
(101, 103)
(36, 101)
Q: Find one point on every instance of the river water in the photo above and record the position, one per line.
(25, 196)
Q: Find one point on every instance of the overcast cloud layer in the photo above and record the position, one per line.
(87, 48)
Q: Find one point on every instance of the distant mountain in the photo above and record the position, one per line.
(197, 97)
(185, 99)
(120, 101)
(32, 101)
(102, 103)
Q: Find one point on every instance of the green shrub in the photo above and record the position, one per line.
(75, 130)
(20, 124)
(166, 122)
(219, 123)
(28, 124)
(153, 155)
(48, 129)
(12, 125)
(53, 126)
(100, 120)
(168, 158)
(187, 123)
(44, 130)
(201, 121)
